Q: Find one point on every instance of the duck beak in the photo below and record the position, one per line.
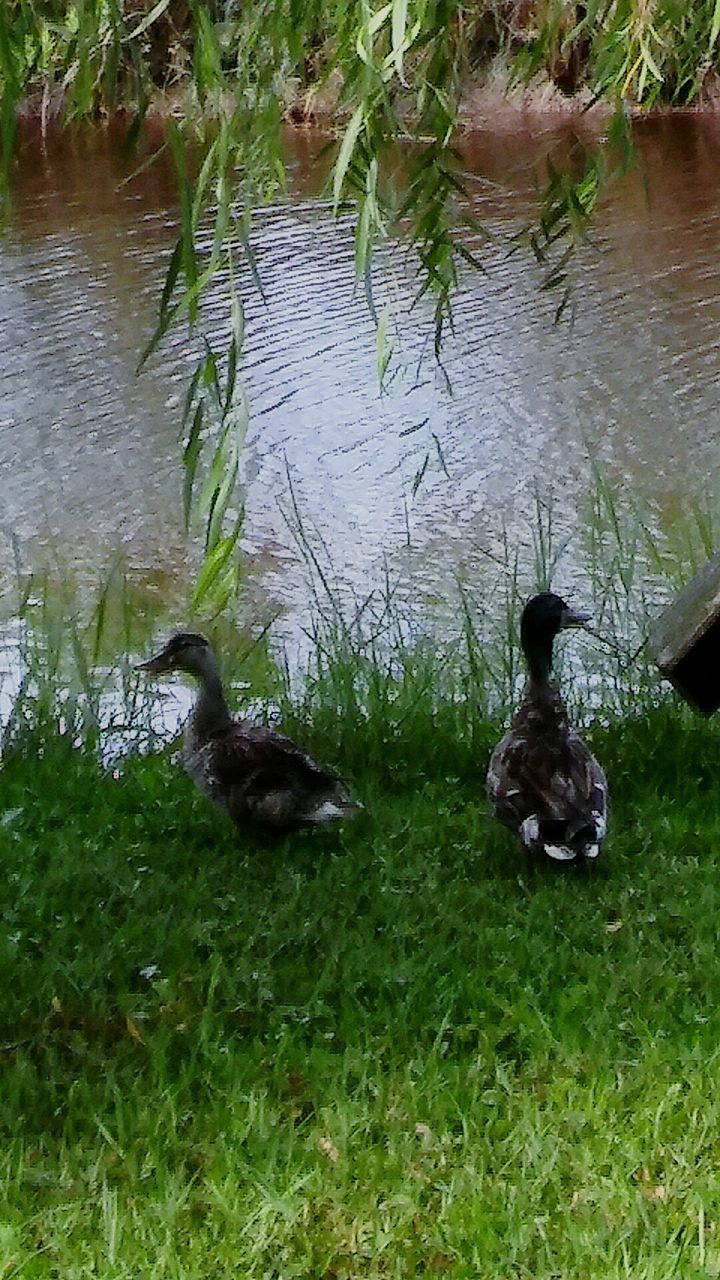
(155, 666)
(575, 618)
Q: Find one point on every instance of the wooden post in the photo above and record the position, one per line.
(685, 641)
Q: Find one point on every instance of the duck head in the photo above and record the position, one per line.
(185, 651)
(542, 618)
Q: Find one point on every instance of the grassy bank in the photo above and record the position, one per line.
(390, 1051)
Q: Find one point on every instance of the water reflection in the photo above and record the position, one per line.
(89, 460)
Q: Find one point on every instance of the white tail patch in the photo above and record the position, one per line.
(559, 852)
(331, 811)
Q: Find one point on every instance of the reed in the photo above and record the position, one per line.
(377, 675)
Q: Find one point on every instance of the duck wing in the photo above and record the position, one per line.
(260, 774)
(245, 749)
(549, 788)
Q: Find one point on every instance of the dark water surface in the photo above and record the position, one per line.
(89, 459)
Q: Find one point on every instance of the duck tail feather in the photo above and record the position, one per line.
(333, 810)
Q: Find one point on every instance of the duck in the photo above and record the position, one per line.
(260, 778)
(543, 781)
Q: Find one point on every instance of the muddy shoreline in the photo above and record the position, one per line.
(494, 102)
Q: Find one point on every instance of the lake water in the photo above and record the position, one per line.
(89, 458)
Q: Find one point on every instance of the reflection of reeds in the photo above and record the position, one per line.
(70, 662)
(72, 665)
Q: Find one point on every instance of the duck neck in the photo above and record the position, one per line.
(538, 655)
(211, 712)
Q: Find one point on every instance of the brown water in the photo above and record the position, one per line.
(89, 460)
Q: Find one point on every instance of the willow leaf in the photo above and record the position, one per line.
(715, 25)
(156, 11)
(379, 19)
(187, 235)
(215, 562)
(171, 276)
(220, 499)
(201, 182)
(384, 345)
(191, 455)
(399, 26)
(231, 378)
(362, 240)
(345, 153)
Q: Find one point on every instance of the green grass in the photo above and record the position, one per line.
(389, 1051)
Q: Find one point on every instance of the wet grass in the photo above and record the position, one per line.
(394, 1050)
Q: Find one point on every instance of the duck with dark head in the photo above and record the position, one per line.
(543, 781)
(258, 776)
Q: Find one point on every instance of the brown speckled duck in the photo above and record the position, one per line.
(259, 777)
(543, 781)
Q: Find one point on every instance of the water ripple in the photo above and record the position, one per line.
(89, 460)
